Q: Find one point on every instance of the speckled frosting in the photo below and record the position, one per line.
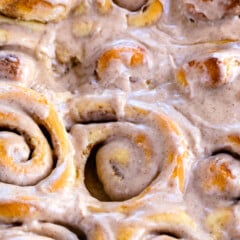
(119, 120)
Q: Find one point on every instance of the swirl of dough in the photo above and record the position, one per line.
(136, 149)
(16, 67)
(39, 10)
(211, 71)
(38, 231)
(211, 10)
(122, 65)
(218, 176)
(32, 137)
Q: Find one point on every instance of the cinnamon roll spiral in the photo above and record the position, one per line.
(32, 141)
(138, 148)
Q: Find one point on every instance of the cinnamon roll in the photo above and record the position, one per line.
(40, 10)
(211, 10)
(122, 65)
(211, 71)
(139, 147)
(217, 176)
(24, 60)
(119, 120)
(32, 141)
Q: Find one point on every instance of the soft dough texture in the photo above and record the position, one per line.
(119, 120)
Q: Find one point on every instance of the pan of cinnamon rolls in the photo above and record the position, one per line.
(119, 120)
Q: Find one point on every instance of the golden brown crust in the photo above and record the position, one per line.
(148, 16)
(39, 10)
(105, 139)
(25, 121)
(210, 72)
(112, 148)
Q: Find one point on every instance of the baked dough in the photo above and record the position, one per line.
(31, 131)
(39, 10)
(211, 10)
(118, 144)
(119, 120)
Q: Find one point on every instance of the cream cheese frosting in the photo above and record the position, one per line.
(119, 119)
